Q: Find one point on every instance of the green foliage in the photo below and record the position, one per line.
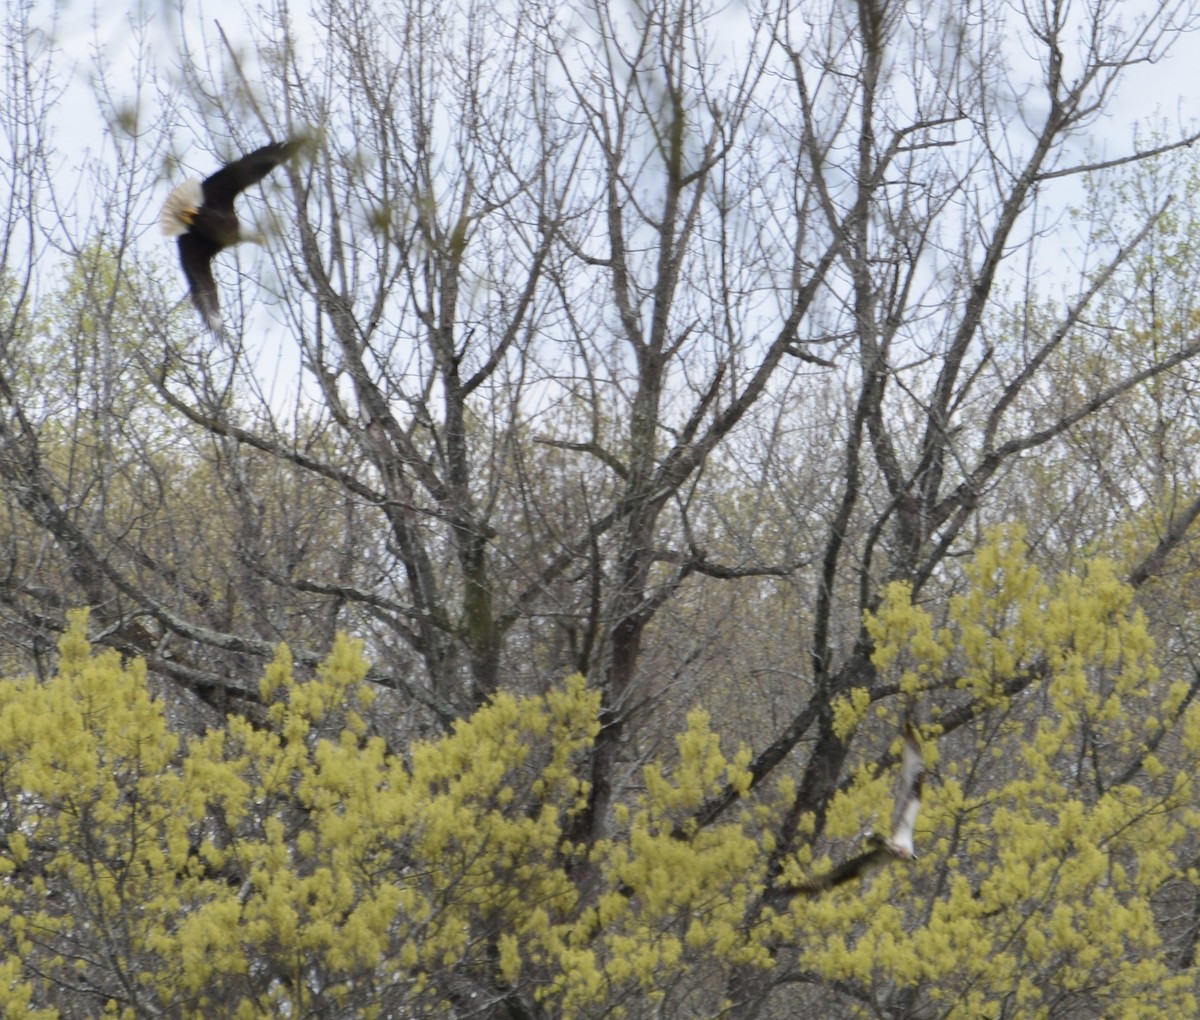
(1054, 826)
(301, 866)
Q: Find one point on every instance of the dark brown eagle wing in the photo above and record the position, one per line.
(849, 870)
(231, 180)
(196, 254)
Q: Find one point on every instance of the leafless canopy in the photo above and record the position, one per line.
(644, 340)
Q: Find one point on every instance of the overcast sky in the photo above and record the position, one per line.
(90, 35)
(89, 32)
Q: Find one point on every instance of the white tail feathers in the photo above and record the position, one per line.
(181, 206)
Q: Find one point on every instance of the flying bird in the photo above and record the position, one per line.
(200, 214)
(881, 849)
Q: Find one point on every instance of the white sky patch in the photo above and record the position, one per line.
(110, 43)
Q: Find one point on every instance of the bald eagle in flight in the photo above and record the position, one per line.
(200, 214)
(881, 849)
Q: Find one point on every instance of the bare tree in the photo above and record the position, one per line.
(557, 286)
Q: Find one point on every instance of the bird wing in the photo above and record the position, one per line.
(231, 180)
(908, 792)
(904, 819)
(196, 256)
(857, 866)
